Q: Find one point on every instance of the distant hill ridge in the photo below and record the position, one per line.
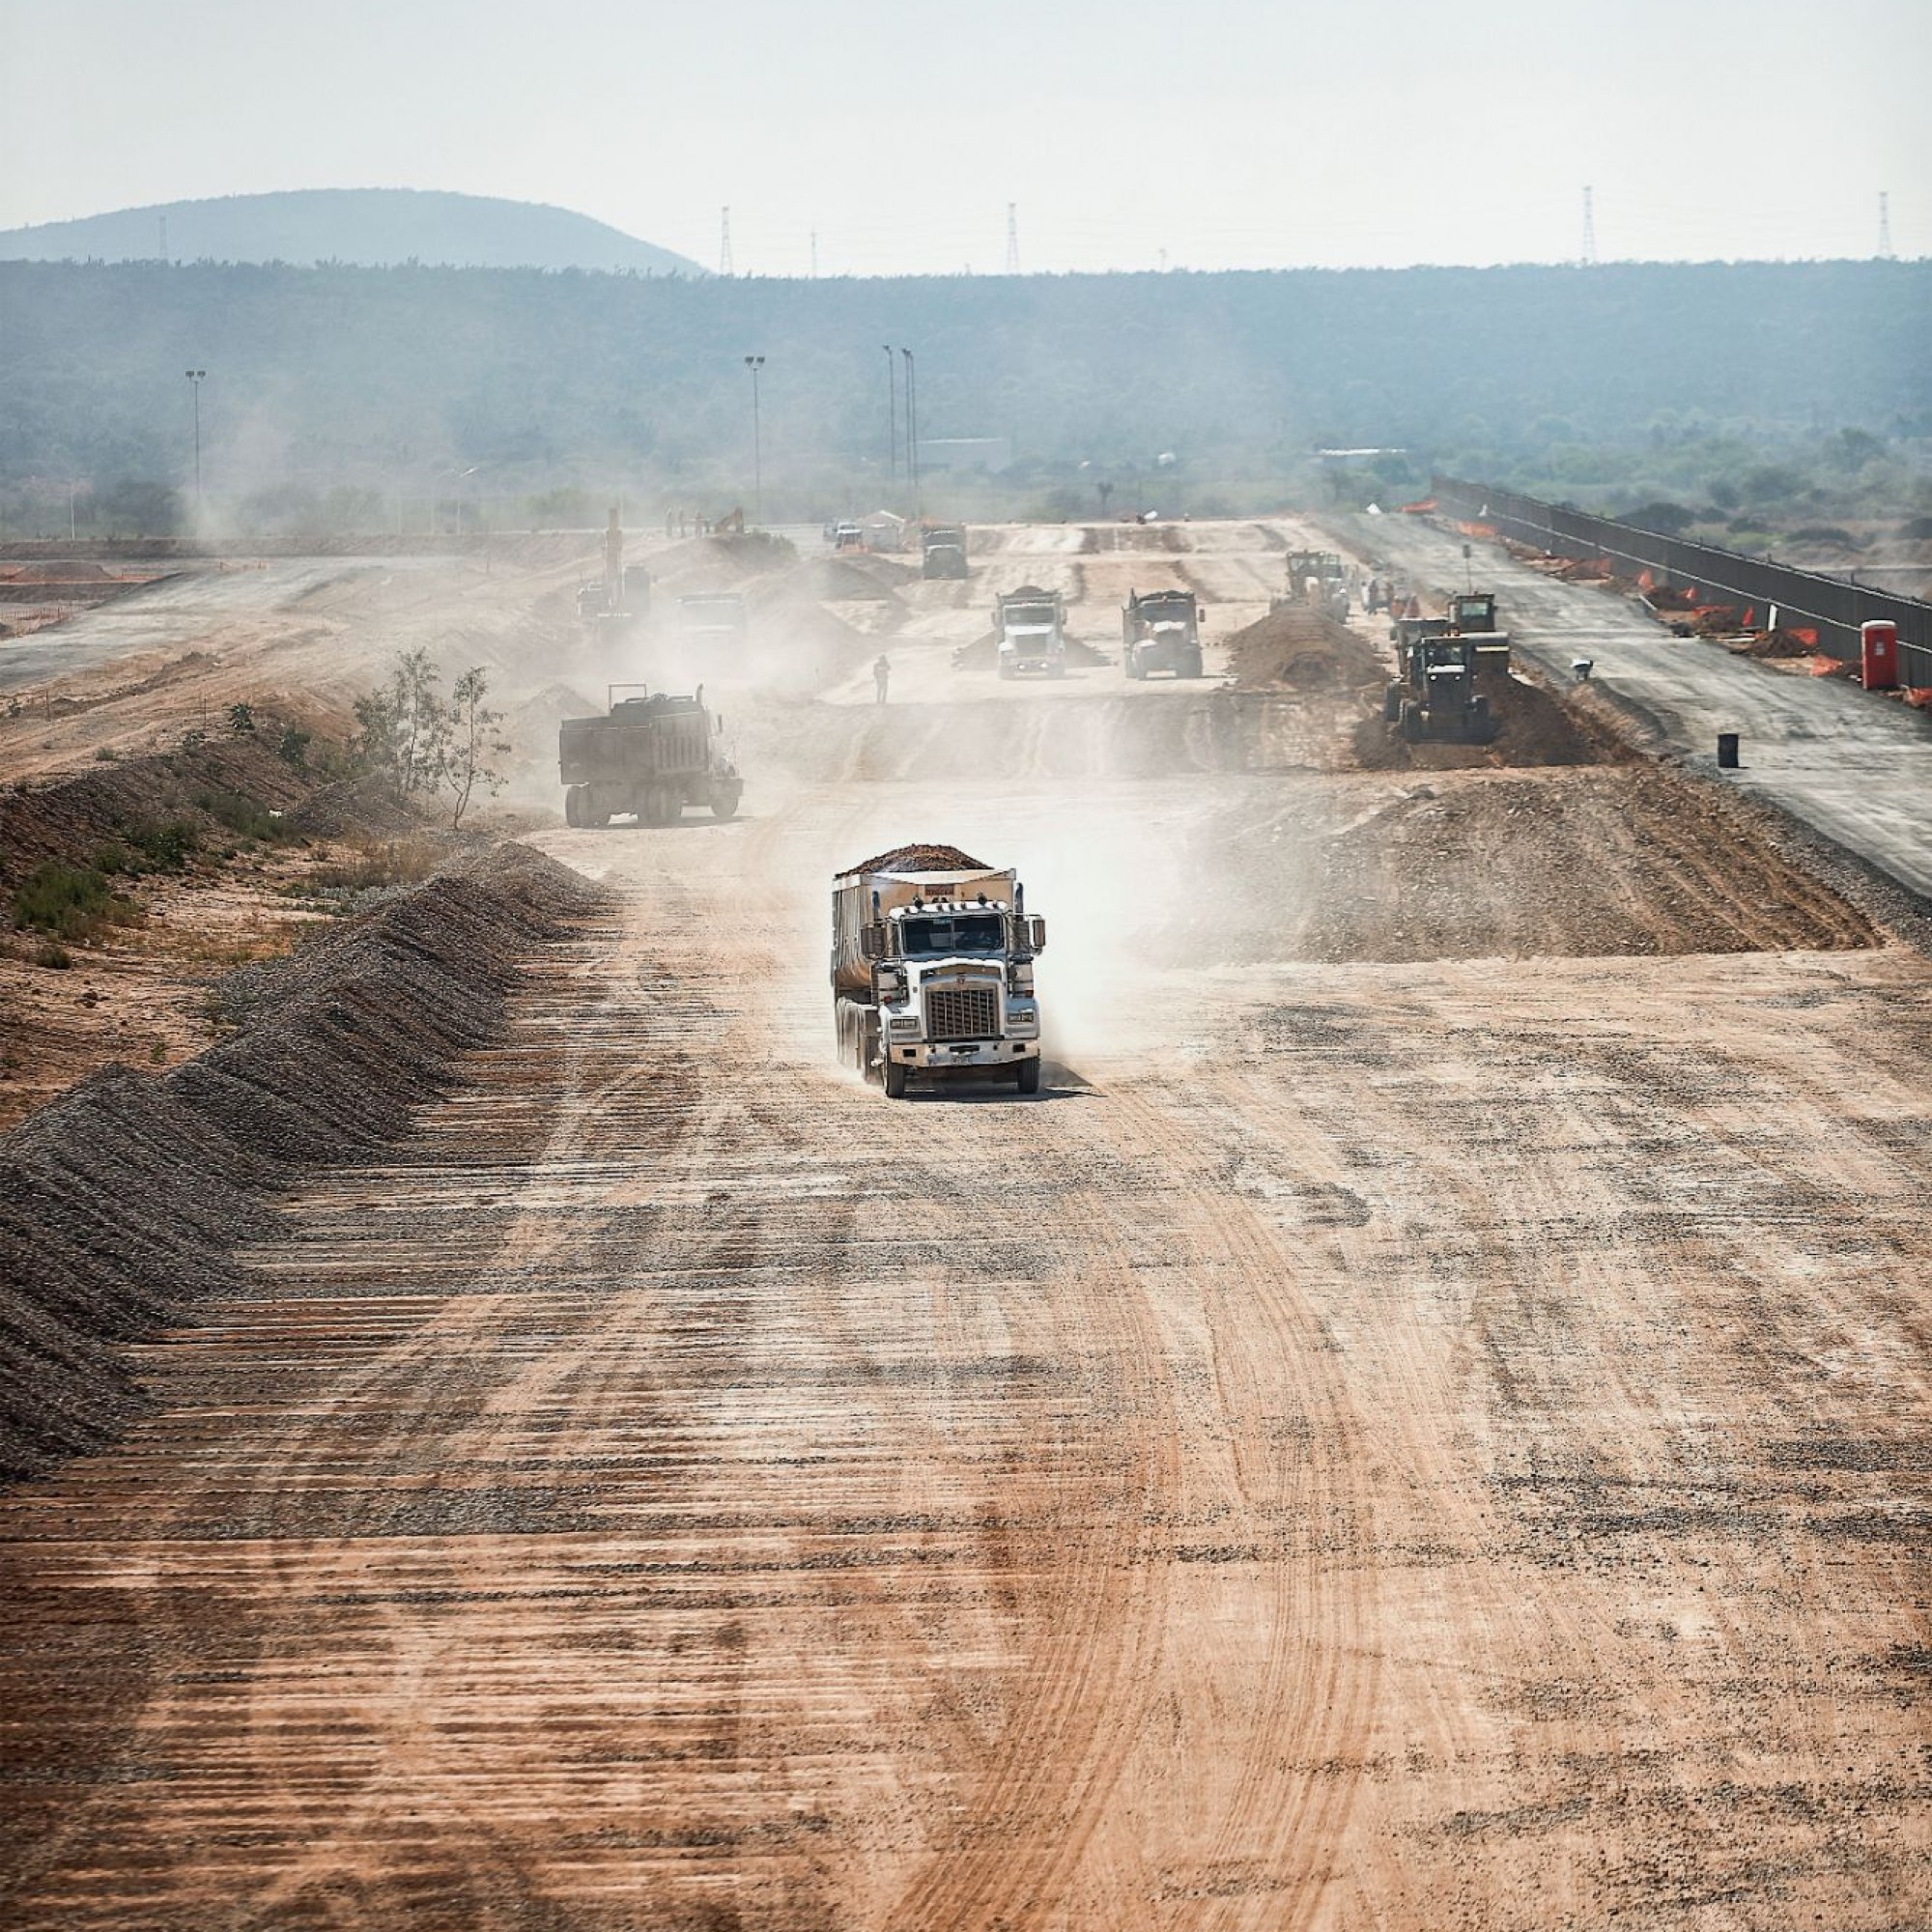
(368, 227)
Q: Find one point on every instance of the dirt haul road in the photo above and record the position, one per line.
(1397, 1438)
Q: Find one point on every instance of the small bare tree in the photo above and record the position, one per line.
(473, 740)
(406, 727)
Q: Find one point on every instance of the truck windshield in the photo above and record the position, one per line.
(1028, 615)
(968, 933)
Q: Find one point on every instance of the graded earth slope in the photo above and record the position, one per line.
(1425, 1424)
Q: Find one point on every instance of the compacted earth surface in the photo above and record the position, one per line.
(1422, 1423)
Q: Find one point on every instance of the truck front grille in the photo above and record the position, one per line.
(962, 1012)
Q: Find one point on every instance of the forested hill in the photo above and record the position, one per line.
(361, 373)
(372, 227)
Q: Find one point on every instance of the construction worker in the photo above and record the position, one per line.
(882, 673)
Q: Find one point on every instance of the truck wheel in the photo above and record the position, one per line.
(1027, 1078)
(573, 806)
(1481, 724)
(895, 1079)
(1055, 670)
(1192, 667)
(1411, 720)
(1392, 705)
(724, 804)
(1006, 671)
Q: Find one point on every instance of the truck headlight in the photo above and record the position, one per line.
(905, 1022)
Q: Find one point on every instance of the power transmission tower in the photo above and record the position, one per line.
(1589, 257)
(724, 247)
(1012, 237)
(1884, 226)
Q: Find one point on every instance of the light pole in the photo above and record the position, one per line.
(195, 377)
(892, 424)
(912, 428)
(755, 363)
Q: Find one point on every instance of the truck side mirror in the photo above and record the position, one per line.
(872, 942)
(1037, 933)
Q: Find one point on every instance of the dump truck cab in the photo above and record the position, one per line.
(1030, 625)
(942, 551)
(932, 971)
(1160, 630)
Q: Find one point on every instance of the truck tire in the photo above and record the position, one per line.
(1027, 1080)
(1192, 667)
(1057, 669)
(573, 806)
(1482, 725)
(1392, 705)
(725, 803)
(895, 1079)
(1132, 665)
(1411, 720)
(1006, 671)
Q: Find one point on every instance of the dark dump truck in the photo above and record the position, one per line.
(1435, 694)
(648, 757)
(1160, 631)
(943, 551)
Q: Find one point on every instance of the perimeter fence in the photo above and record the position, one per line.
(1829, 606)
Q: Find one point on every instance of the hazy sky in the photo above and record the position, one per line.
(1208, 133)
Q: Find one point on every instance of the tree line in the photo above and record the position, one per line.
(366, 393)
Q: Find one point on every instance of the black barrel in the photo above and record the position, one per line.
(1727, 751)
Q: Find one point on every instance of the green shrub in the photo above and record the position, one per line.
(68, 902)
(240, 813)
(162, 848)
(50, 952)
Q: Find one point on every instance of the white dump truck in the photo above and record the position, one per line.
(1031, 625)
(932, 970)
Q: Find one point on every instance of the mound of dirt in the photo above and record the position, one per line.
(1533, 727)
(1778, 643)
(848, 579)
(1303, 650)
(122, 1205)
(1634, 860)
(70, 817)
(923, 859)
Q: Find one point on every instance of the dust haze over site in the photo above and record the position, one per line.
(546, 1382)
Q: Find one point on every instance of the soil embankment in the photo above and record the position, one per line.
(121, 1204)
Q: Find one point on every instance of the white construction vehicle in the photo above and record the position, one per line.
(1031, 625)
(932, 970)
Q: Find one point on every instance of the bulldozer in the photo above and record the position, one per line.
(1435, 696)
